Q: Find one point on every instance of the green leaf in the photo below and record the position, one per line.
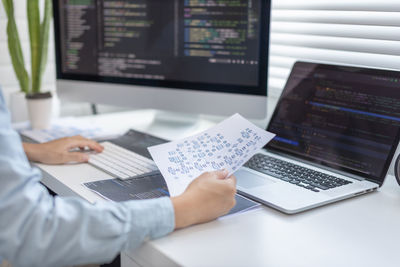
(34, 35)
(14, 46)
(44, 41)
(6, 6)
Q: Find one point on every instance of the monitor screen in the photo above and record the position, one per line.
(346, 118)
(192, 44)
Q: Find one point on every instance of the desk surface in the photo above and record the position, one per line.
(362, 231)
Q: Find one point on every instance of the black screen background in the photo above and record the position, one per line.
(341, 117)
(224, 78)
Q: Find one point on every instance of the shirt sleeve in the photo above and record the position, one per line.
(37, 229)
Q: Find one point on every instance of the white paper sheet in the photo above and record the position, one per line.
(227, 145)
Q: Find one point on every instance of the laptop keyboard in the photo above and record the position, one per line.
(294, 174)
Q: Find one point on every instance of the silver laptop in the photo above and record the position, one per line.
(337, 130)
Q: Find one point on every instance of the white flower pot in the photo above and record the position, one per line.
(56, 105)
(40, 107)
(18, 107)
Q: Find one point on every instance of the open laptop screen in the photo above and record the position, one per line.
(346, 118)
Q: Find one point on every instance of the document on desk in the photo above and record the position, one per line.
(65, 127)
(228, 145)
(150, 187)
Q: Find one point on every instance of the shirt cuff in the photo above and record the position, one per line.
(153, 218)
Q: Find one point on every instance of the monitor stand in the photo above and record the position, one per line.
(173, 126)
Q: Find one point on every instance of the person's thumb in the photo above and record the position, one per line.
(77, 157)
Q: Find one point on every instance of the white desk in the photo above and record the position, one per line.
(363, 231)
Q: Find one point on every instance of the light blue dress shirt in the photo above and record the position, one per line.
(37, 229)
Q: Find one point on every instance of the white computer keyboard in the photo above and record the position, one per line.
(121, 162)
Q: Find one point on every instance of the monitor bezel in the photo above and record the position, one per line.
(259, 90)
(371, 71)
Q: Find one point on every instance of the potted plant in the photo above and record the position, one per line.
(40, 104)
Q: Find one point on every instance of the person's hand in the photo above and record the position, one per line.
(208, 197)
(60, 151)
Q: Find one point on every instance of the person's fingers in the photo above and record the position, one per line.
(232, 180)
(83, 142)
(222, 174)
(76, 157)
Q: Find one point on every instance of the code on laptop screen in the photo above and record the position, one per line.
(342, 117)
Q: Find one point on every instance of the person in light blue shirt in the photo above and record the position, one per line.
(37, 229)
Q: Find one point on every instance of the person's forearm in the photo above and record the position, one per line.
(55, 232)
(40, 230)
(183, 211)
(32, 151)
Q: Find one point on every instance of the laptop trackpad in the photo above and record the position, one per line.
(246, 179)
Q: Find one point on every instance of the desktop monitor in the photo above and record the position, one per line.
(187, 56)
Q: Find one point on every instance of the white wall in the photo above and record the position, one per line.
(8, 80)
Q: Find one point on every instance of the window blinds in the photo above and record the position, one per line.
(355, 32)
